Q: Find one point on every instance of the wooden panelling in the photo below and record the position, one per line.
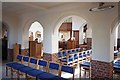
(66, 27)
(76, 36)
(118, 43)
(89, 43)
(71, 44)
(35, 49)
(16, 50)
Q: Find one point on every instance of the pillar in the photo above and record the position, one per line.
(102, 56)
(50, 45)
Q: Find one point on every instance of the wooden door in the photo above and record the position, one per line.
(76, 36)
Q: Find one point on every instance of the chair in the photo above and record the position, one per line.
(12, 64)
(84, 56)
(88, 55)
(26, 69)
(65, 53)
(69, 51)
(54, 66)
(75, 58)
(74, 51)
(80, 57)
(86, 66)
(68, 60)
(116, 66)
(60, 55)
(35, 72)
(67, 69)
(78, 49)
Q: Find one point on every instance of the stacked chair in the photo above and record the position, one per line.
(116, 65)
(74, 56)
(36, 72)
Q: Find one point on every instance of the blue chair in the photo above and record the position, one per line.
(64, 54)
(60, 55)
(26, 69)
(116, 66)
(69, 51)
(84, 56)
(80, 56)
(74, 51)
(76, 55)
(67, 69)
(34, 73)
(86, 66)
(78, 49)
(12, 64)
(68, 60)
(54, 66)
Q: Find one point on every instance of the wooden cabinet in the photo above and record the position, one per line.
(16, 51)
(71, 44)
(35, 49)
(89, 43)
(76, 36)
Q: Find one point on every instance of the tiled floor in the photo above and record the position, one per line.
(65, 75)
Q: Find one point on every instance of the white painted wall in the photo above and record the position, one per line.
(12, 23)
(77, 22)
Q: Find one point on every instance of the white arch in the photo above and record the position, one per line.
(66, 16)
(36, 26)
(25, 34)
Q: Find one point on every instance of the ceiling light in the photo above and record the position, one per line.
(101, 7)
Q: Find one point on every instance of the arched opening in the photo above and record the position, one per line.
(4, 39)
(73, 32)
(35, 40)
(116, 34)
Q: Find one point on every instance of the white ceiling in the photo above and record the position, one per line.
(24, 7)
(19, 8)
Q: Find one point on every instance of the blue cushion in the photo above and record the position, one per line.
(78, 49)
(19, 57)
(12, 64)
(17, 67)
(74, 51)
(42, 63)
(64, 53)
(54, 66)
(59, 54)
(69, 51)
(67, 69)
(26, 58)
(84, 54)
(33, 60)
(116, 67)
(75, 56)
(87, 64)
(34, 72)
(45, 76)
(26, 69)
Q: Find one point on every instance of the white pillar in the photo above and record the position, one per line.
(101, 42)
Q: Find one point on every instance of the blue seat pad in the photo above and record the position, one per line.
(26, 69)
(34, 72)
(12, 64)
(45, 76)
(116, 67)
(19, 66)
(85, 64)
(59, 78)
